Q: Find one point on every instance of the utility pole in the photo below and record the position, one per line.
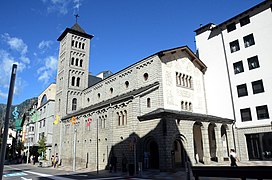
(5, 134)
(74, 159)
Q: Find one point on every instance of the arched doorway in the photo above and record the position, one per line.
(178, 154)
(198, 144)
(151, 155)
(224, 139)
(212, 142)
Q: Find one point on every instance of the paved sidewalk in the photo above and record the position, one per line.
(156, 174)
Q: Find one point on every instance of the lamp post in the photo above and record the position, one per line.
(97, 164)
(6, 123)
(74, 159)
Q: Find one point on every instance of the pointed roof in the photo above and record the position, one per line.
(77, 30)
(76, 27)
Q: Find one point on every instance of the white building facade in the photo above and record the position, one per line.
(237, 53)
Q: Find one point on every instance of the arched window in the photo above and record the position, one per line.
(76, 44)
(59, 105)
(77, 61)
(183, 80)
(79, 45)
(98, 95)
(119, 118)
(190, 107)
(127, 84)
(145, 76)
(125, 114)
(123, 118)
(148, 103)
(83, 45)
(182, 105)
(73, 42)
(44, 99)
(73, 80)
(74, 104)
(77, 82)
(111, 90)
(73, 61)
(81, 62)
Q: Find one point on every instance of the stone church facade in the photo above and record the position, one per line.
(153, 112)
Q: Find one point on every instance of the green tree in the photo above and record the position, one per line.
(42, 147)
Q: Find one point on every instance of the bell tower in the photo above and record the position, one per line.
(73, 69)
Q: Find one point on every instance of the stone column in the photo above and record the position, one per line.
(219, 145)
(230, 137)
(206, 144)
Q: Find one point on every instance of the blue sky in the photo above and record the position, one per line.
(125, 31)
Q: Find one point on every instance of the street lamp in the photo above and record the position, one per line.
(74, 159)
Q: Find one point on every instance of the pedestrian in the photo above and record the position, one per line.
(52, 160)
(124, 163)
(56, 160)
(33, 160)
(233, 158)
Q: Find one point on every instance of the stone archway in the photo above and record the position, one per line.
(224, 139)
(151, 155)
(212, 142)
(198, 143)
(178, 154)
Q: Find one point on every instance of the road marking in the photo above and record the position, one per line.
(25, 178)
(39, 174)
(15, 174)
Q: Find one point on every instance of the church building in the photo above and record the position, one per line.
(152, 112)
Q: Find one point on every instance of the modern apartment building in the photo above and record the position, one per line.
(238, 55)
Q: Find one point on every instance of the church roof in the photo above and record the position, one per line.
(77, 30)
(76, 27)
(184, 115)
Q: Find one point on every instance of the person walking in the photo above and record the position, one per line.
(233, 158)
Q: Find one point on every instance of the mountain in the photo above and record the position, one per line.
(21, 109)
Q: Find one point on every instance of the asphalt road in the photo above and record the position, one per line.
(29, 172)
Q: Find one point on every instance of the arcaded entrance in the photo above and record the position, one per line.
(151, 155)
(178, 154)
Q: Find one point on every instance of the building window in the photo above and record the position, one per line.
(81, 63)
(234, 46)
(78, 82)
(73, 61)
(257, 87)
(145, 76)
(76, 44)
(74, 104)
(244, 21)
(98, 95)
(148, 103)
(73, 42)
(119, 119)
(111, 90)
(253, 62)
(79, 45)
(262, 112)
(182, 105)
(231, 27)
(43, 123)
(83, 45)
(77, 61)
(245, 114)
(88, 99)
(249, 40)
(73, 80)
(238, 67)
(242, 90)
(127, 84)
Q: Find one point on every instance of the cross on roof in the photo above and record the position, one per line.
(77, 16)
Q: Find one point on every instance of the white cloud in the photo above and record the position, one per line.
(62, 6)
(43, 45)
(6, 61)
(48, 70)
(15, 43)
(25, 59)
(59, 6)
(76, 6)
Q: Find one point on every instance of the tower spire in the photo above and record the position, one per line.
(77, 16)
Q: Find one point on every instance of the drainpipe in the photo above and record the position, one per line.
(229, 81)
